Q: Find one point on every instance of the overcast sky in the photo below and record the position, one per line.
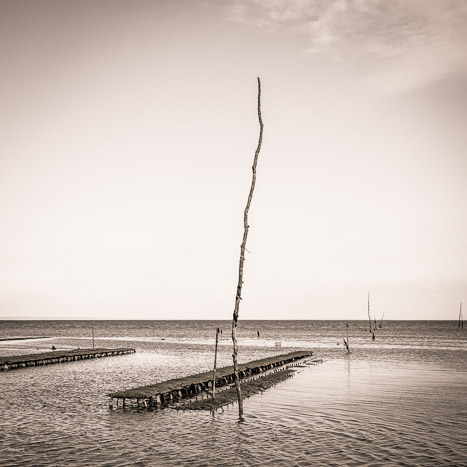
(128, 133)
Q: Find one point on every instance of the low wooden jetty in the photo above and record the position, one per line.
(58, 356)
(167, 392)
(23, 338)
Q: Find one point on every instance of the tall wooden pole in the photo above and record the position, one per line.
(238, 295)
(215, 366)
(369, 319)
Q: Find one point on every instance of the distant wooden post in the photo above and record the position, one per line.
(369, 318)
(215, 366)
(238, 295)
(461, 320)
(92, 330)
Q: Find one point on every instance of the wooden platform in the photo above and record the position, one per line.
(166, 392)
(58, 356)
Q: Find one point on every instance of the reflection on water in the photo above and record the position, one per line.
(401, 401)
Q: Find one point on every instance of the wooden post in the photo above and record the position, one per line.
(92, 330)
(369, 319)
(215, 365)
(461, 320)
(238, 295)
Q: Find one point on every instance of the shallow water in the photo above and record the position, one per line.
(400, 400)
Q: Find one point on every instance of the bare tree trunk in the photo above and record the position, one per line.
(215, 366)
(238, 296)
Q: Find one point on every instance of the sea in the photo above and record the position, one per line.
(400, 399)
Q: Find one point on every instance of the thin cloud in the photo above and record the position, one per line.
(398, 44)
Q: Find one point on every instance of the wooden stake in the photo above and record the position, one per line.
(238, 295)
(215, 365)
(369, 318)
(92, 330)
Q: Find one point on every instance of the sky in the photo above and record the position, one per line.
(128, 134)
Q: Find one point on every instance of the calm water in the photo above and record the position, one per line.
(400, 400)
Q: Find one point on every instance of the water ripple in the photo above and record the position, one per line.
(379, 406)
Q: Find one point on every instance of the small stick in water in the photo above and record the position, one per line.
(346, 342)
